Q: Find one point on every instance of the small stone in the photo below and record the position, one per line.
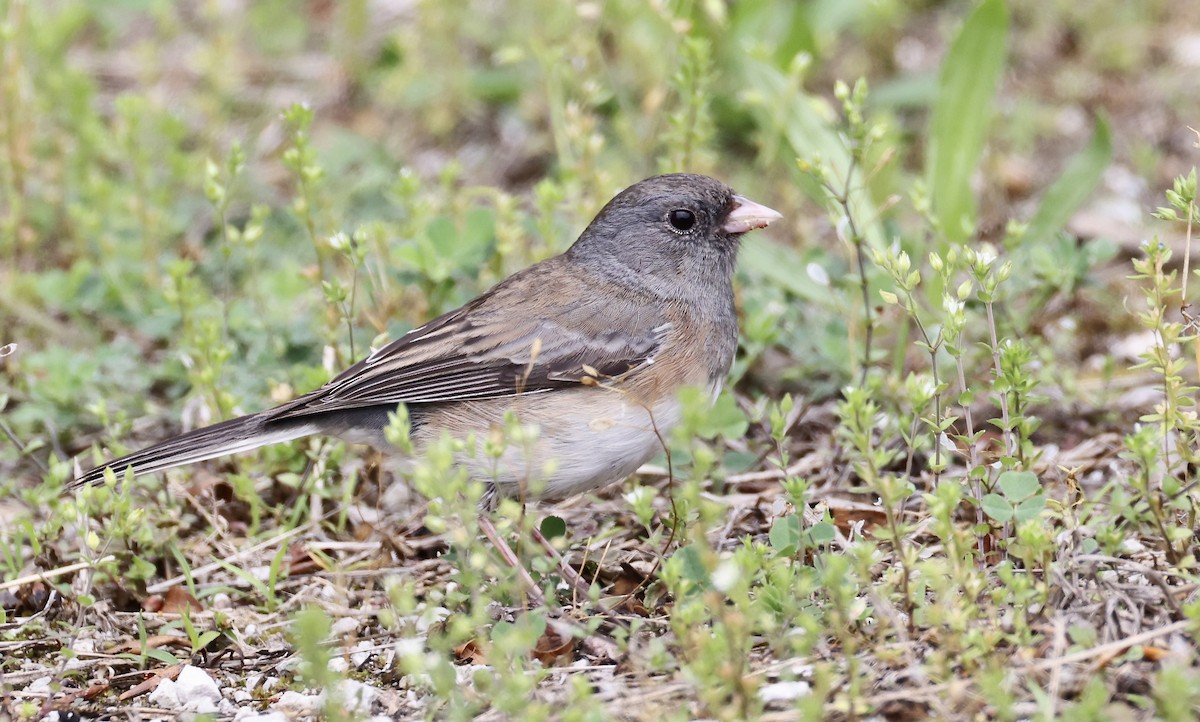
(432, 616)
(249, 715)
(166, 695)
(81, 647)
(362, 652)
(297, 703)
(357, 698)
(339, 665)
(344, 626)
(784, 691)
(197, 691)
(1132, 546)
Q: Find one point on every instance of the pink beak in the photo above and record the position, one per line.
(748, 215)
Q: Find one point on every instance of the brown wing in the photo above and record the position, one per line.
(502, 344)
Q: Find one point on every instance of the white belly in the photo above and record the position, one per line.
(576, 447)
(591, 451)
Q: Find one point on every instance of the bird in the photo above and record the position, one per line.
(590, 347)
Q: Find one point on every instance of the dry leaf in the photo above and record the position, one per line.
(1155, 654)
(300, 561)
(150, 683)
(470, 652)
(554, 649)
(179, 599)
(134, 646)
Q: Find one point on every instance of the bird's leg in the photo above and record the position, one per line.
(581, 587)
(489, 502)
(510, 557)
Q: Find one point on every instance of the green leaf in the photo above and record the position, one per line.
(205, 639)
(726, 419)
(709, 419)
(455, 246)
(692, 565)
(821, 533)
(997, 507)
(502, 631)
(785, 535)
(162, 655)
(1017, 485)
(962, 113)
(783, 267)
(1073, 187)
(1030, 508)
(553, 526)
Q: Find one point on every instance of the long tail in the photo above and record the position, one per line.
(228, 437)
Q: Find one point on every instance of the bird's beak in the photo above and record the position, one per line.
(748, 215)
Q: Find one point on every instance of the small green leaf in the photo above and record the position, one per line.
(1030, 508)
(997, 507)
(162, 655)
(501, 631)
(693, 567)
(725, 419)
(785, 534)
(553, 526)
(206, 639)
(1017, 485)
(821, 533)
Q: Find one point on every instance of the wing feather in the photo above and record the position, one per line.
(482, 352)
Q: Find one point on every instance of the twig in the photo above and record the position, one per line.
(1107, 649)
(534, 592)
(61, 571)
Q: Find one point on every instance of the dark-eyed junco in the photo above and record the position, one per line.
(590, 347)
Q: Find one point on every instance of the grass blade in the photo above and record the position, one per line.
(1073, 187)
(962, 113)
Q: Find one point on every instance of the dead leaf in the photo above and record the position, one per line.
(1154, 654)
(470, 652)
(301, 561)
(554, 649)
(134, 646)
(849, 514)
(179, 599)
(150, 683)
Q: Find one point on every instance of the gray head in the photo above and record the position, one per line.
(671, 228)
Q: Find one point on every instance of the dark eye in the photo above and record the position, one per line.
(682, 219)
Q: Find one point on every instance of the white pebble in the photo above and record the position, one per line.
(197, 691)
(784, 691)
(357, 698)
(297, 703)
(344, 626)
(247, 714)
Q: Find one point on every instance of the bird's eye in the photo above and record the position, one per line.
(681, 219)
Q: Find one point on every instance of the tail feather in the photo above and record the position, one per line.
(228, 437)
